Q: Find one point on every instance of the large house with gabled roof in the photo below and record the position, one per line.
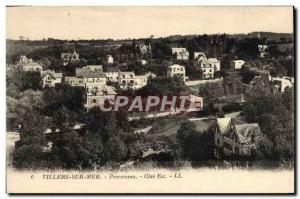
(51, 78)
(236, 138)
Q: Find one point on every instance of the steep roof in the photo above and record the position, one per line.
(52, 73)
(224, 124)
(245, 131)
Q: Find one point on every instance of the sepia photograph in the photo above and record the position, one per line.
(150, 99)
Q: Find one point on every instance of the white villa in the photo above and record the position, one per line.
(208, 66)
(96, 94)
(75, 81)
(238, 64)
(180, 53)
(176, 70)
(91, 73)
(282, 83)
(112, 76)
(51, 78)
(30, 67)
(130, 80)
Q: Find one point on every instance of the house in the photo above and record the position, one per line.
(263, 50)
(128, 80)
(94, 77)
(291, 79)
(238, 64)
(180, 53)
(75, 81)
(142, 62)
(89, 68)
(67, 58)
(227, 100)
(24, 60)
(208, 66)
(176, 70)
(265, 82)
(112, 76)
(261, 82)
(144, 49)
(208, 70)
(54, 133)
(140, 81)
(234, 138)
(96, 94)
(91, 73)
(281, 83)
(31, 67)
(109, 59)
(51, 78)
(215, 63)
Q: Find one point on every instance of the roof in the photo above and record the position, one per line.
(213, 60)
(93, 67)
(109, 70)
(224, 124)
(32, 64)
(93, 75)
(52, 73)
(244, 131)
(177, 50)
(204, 61)
(199, 54)
(103, 89)
(238, 60)
(176, 66)
(86, 72)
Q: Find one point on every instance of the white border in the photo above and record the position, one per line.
(296, 3)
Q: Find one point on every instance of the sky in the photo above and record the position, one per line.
(142, 22)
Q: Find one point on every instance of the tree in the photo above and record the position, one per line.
(247, 74)
(31, 80)
(64, 119)
(195, 146)
(169, 86)
(210, 92)
(101, 123)
(30, 157)
(276, 120)
(115, 149)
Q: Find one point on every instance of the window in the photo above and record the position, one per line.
(94, 101)
(123, 76)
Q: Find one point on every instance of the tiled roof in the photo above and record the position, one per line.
(245, 131)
